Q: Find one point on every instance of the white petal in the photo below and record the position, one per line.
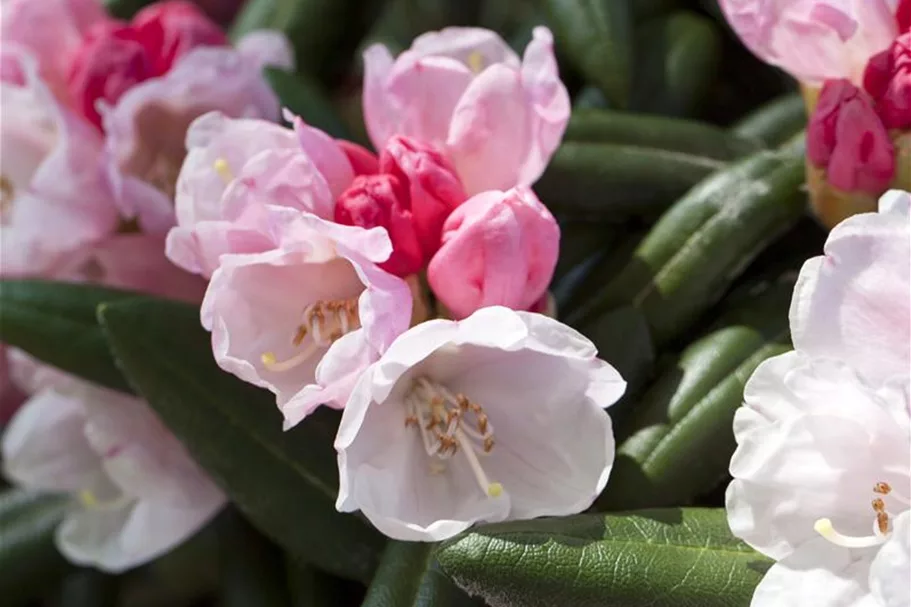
(44, 446)
(820, 574)
(890, 579)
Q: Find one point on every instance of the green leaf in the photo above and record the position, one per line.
(125, 9)
(650, 558)
(677, 441)
(312, 588)
(677, 60)
(324, 33)
(29, 562)
(597, 36)
(409, 576)
(89, 588)
(775, 122)
(252, 568)
(623, 339)
(285, 482)
(611, 182)
(56, 323)
(306, 98)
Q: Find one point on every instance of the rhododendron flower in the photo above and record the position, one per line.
(234, 164)
(822, 476)
(273, 315)
(498, 416)
(137, 493)
(498, 248)
(463, 90)
(847, 139)
(888, 80)
(411, 195)
(53, 195)
(815, 40)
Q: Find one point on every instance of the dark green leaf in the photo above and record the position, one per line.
(89, 588)
(285, 482)
(30, 565)
(125, 9)
(597, 36)
(610, 181)
(775, 122)
(650, 558)
(324, 33)
(677, 440)
(56, 323)
(252, 568)
(300, 94)
(409, 576)
(623, 339)
(677, 59)
(312, 588)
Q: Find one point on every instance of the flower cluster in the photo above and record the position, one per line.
(320, 254)
(822, 477)
(95, 113)
(854, 60)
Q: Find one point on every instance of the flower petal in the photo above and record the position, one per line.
(889, 579)
(267, 48)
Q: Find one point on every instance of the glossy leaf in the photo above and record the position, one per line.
(775, 122)
(649, 558)
(285, 482)
(409, 576)
(597, 36)
(677, 441)
(56, 323)
(29, 562)
(252, 569)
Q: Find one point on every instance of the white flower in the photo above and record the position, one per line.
(822, 471)
(498, 416)
(137, 493)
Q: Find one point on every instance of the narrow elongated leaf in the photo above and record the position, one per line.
(677, 441)
(409, 576)
(649, 558)
(597, 36)
(285, 482)
(306, 98)
(775, 122)
(29, 561)
(56, 323)
(252, 569)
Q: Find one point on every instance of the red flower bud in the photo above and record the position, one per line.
(848, 140)
(903, 15)
(382, 201)
(433, 187)
(363, 161)
(169, 30)
(888, 80)
(111, 60)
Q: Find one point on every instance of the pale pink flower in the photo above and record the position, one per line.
(815, 40)
(463, 90)
(233, 164)
(137, 493)
(826, 429)
(52, 30)
(54, 197)
(274, 315)
(146, 129)
(498, 416)
(498, 249)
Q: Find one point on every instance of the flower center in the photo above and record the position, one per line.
(92, 502)
(450, 424)
(882, 527)
(7, 193)
(322, 324)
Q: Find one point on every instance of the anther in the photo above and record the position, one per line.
(879, 505)
(224, 170)
(882, 488)
(882, 522)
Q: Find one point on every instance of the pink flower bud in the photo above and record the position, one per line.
(848, 140)
(112, 60)
(363, 161)
(433, 187)
(169, 30)
(888, 80)
(499, 248)
(382, 201)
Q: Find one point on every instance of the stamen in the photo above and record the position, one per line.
(476, 62)
(824, 528)
(7, 194)
(324, 322)
(224, 170)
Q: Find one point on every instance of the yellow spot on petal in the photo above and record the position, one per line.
(476, 62)
(495, 490)
(224, 171)
(88, 498)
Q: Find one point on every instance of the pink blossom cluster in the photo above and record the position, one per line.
(402, 286)
(859, 53)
